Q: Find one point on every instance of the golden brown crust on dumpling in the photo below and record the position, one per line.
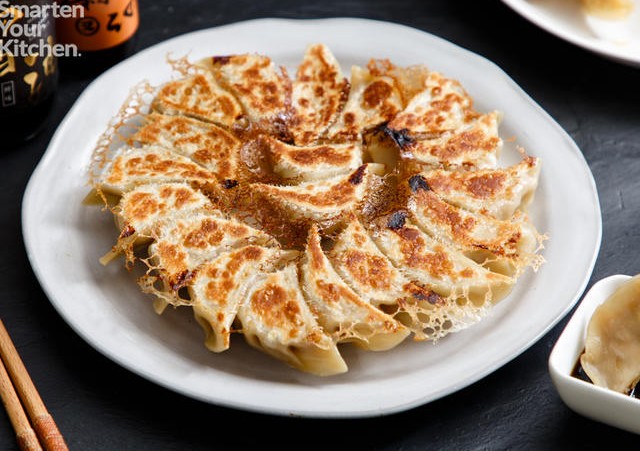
(133, 167)
(200, 97)
(443, 105)
(208, 145)
(263, 90)
(373, 100)
(339, 310)
(307, 163)
(319, 92)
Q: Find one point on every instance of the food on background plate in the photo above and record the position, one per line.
(608, 9)
(613, 21)
(313, 212)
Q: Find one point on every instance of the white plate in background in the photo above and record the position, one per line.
(64, 239)
(617, 40)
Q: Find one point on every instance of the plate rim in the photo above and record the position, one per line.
(353, 413)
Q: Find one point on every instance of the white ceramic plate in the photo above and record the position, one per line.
(585, 398)
(617, 40)
(104, 305)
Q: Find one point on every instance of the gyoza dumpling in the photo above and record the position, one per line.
(310, 162)
(474, 144)
(362, 265)
(428, 262)
(443, 105)
(199, 97)
(373, 100)
(139, 210)
(612, 347)
(321, 200)
(134, 166)
(506, 246)
(364, 268)
(276, 320)
(212, 147)
(220, 286)
(410, 80)
(318, 93)
(496, 192)
(263, 90)
(185, 243)
(339, 310)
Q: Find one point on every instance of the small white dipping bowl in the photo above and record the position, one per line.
(594, 402)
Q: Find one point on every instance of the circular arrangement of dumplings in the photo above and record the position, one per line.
(312, 211)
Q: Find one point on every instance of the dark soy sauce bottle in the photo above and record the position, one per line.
(28, 69)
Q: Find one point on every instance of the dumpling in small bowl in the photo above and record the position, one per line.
(612, 348)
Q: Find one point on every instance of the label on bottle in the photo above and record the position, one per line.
(28, 68)
(103, 24)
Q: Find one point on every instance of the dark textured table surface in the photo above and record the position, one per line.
(100, 406)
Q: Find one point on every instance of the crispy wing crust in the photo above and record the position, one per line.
(370, 273)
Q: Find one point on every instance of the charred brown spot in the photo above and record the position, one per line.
(182, 280)
(127, 231)
(401, 137)
(349, 118)
(486, 185)
(220, 60)
(397, 220)
(431, 297)
(324, 154)
(410, 234)
(376, 93)
(357, 177)
(369, 270)
(280, 129)
(229, 183)
(276, 306)
(209, 233)
(418, 182)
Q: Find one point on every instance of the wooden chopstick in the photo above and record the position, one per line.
(25, 435)
(45, 428)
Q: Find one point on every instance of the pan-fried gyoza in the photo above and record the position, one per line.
(312, 212)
